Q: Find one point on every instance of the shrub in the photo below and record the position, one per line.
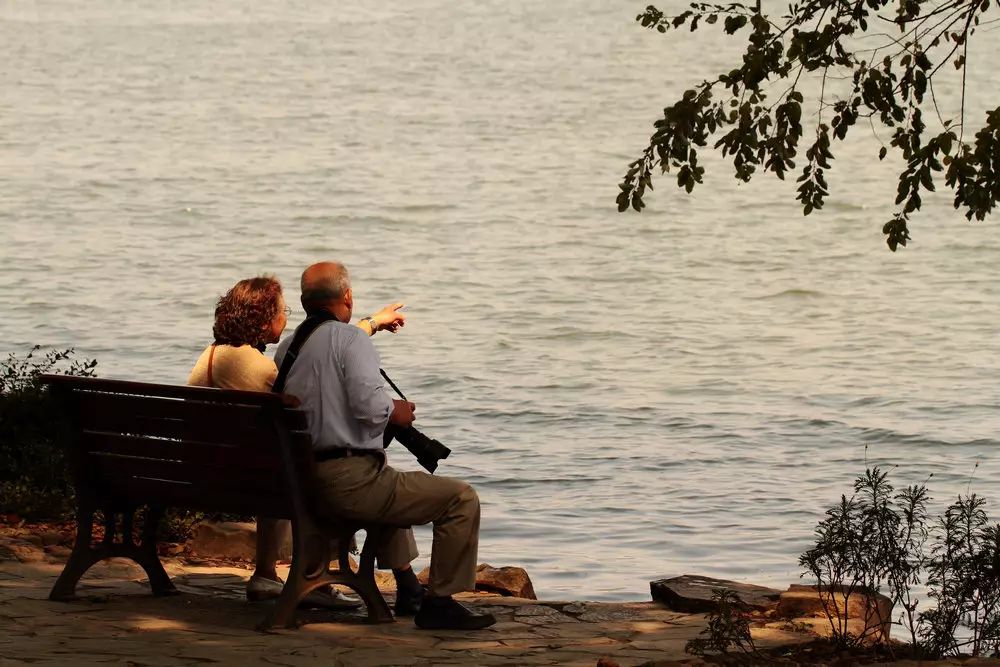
(33, 479)
(874, 538)
(728, 627)
(964, 581)
(879, 539)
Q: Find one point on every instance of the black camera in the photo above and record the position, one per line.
(427, 451)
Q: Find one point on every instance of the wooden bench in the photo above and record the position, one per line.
(132, 445)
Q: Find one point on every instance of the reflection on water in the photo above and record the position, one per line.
(635, 396)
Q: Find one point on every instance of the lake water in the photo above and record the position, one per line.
(634, 396)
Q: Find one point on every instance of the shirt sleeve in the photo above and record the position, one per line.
(369, 402)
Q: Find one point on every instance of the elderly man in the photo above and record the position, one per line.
(336, 377)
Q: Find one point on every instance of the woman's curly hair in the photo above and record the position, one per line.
(243, 313)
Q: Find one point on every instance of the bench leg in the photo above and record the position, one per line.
(82, 557)
(146, 556)
(364, 580)
(85, 555)
(310, 570)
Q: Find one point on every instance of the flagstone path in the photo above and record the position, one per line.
(117, 621)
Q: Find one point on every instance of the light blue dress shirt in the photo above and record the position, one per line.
(336, 376)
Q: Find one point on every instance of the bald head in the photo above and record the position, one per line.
(326, 286)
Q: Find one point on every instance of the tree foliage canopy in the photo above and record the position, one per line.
(753, 113)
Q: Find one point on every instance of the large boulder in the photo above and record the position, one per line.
(237, 540)
(868, 614)
(692, 593)
(230, 539)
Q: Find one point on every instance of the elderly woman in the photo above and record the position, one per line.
(247, 318)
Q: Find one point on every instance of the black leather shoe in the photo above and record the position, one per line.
(447, 614)
(408, 602)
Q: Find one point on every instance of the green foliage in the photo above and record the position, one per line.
(882, 540)
(178, 525)
(964, 576)
(728, 627)
(752, 113)
(33, 476)
(866, 541)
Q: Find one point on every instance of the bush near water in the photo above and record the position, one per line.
(35, 484)
(882, 541)
(34, 481)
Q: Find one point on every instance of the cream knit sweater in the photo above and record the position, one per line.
(240, 367)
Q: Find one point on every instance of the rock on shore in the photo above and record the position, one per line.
(692, 593)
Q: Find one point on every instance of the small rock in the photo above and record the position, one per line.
(692, 594)
(20, 550)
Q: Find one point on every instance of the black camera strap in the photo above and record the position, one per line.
(302, 334)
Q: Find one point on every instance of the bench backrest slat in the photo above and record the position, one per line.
(243, 425)
(126, 388)
(191, 453)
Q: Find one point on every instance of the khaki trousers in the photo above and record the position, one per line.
(365, 488)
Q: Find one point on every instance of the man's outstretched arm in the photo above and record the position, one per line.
(387, 319)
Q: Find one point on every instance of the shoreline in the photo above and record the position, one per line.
(117, 620)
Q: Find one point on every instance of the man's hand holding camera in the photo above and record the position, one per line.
(402, 413)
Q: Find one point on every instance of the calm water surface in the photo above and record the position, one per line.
(635, 396)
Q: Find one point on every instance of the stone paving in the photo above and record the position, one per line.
(117, 621)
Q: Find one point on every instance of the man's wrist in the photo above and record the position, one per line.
(372, 326)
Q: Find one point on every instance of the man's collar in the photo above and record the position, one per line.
(323, 316)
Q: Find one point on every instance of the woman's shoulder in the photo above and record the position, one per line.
(243, 355)
(242, 367)
(199, 374)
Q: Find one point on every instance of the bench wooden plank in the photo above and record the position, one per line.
(227, 422)
(195, 453)
(124, 387)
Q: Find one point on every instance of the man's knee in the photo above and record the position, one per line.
(468, 498)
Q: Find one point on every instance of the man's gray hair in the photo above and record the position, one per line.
(330, 286)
